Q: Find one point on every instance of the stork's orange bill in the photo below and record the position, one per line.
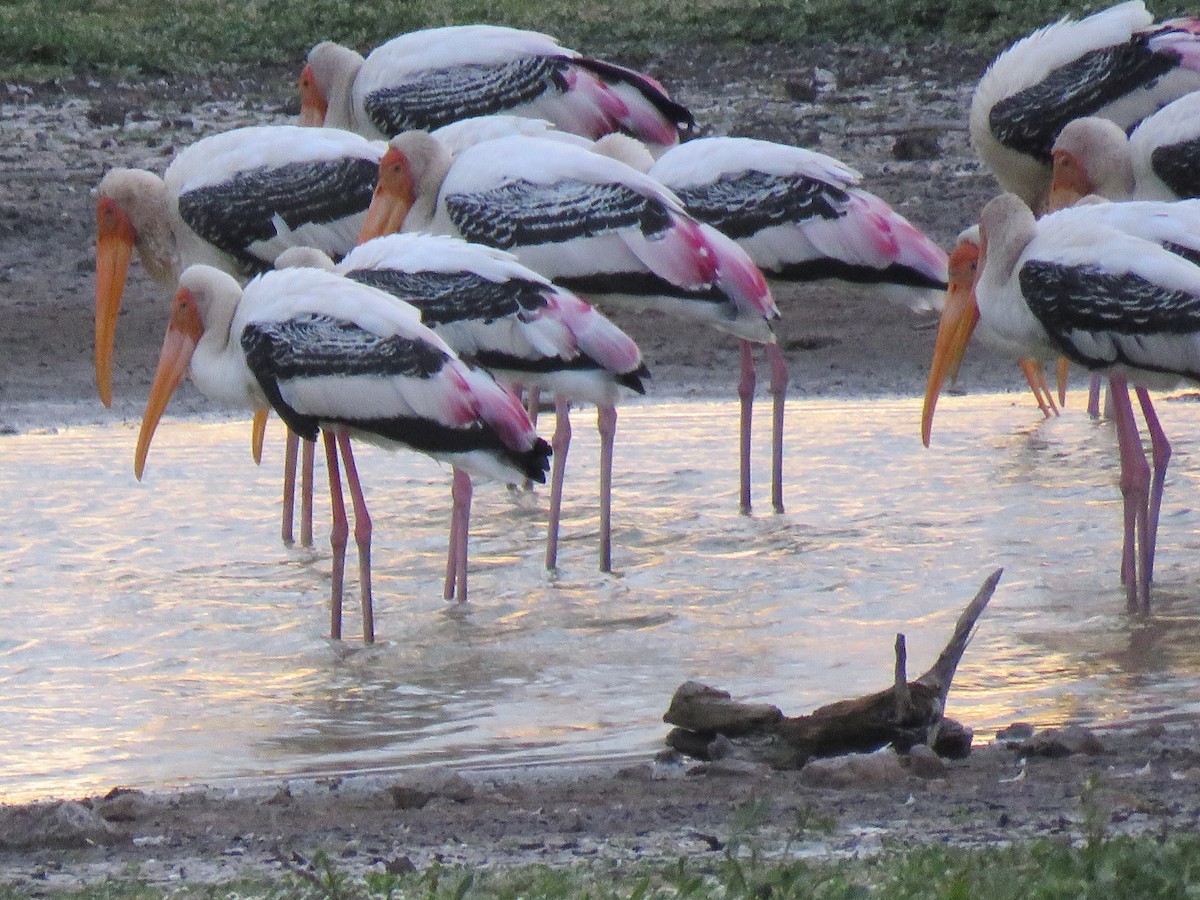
(394, 196)
(115, 236)
(1035, 374)
(183, 333)
(960, 315)
(1064, 374)
(258, 433)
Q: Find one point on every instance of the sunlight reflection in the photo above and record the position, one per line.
(148, 619)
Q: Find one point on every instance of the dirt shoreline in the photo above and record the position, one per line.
(1137, 781)
(896, 114)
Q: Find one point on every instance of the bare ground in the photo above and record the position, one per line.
(899, 116)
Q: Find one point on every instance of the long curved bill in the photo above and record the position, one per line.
(115, 236)
(183, 333)
(258, 433)
(313, 105)
(392, 200)
(960, 315)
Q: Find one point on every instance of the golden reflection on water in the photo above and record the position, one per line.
(159, 632)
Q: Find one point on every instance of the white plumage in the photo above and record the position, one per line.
(429, 78)
(526, 331)
(331, 354)
(586, 221)
(1156, 161)
(1116, 64)
(234, 201)
(1116, 288)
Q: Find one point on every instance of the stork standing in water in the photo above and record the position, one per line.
(235, 201)
(588, 222)
(520, 327)
(1156, 161)
(429, 78)
(1114, 287)
(330, 354)
(1116, 64)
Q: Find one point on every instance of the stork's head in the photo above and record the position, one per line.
(201, 289)
(326, 84)
(1090, 156)
(411, 169)
(130, 210)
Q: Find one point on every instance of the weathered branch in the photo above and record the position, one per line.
(906, 714)
(900, 691)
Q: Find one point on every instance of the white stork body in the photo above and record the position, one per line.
(802, 217)
(333, 355)
(587, 222)
(523, 329)
(429, 78)
(235, 201)
(1116, 64)
(1114, 287)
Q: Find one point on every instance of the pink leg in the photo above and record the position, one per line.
(560, 443)
(291, 449)
(362, 537)
(746, 395)
(452, 554)
(1093, 404)
(1135, 486)
(307, 452)
(533, 402)
(779, 383)
(606, 422)
(337, 536)
(1161, 454)
(462, 510)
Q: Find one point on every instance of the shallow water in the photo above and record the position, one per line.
(159, 633)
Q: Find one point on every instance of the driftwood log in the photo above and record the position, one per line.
(908, 713)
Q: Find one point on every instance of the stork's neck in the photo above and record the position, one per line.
(343, 67)
(218, 366)
(1113, 177)
(156, 245)
(1006, 226)
(428, 189)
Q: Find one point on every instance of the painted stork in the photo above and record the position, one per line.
(1116, 288)
(1116, 64)
(586, 221)
(426, 79)
(527, 332)
(1156, 161)
(803, 217)
(330, 354)
(235, 201)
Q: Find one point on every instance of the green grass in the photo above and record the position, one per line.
(1103, 869)
(157, 37)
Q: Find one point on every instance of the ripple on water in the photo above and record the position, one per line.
(160, 632)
